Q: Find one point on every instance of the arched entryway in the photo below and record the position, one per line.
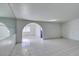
(4, 31)
(31, 32)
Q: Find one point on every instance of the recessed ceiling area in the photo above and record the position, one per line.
(58, 12)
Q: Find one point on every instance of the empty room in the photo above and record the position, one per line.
(39, 29)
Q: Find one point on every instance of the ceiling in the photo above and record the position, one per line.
(5, 11)
(60, 12)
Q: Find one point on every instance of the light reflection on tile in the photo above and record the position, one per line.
(6, 46)
(25, 51)
(25, 43)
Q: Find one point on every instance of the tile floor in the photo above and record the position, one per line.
(37, 47)
(52, 47)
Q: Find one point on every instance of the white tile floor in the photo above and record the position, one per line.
(38, 47)
(7, 45)
(52, 47)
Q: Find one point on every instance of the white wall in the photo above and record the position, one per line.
(71, 29)
(38, 31)
(50, 30)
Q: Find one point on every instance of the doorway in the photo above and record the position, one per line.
(31, 32)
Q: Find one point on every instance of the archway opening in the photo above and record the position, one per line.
(4, 31)
(32, 32)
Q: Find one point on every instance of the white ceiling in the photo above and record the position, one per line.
(43, 11)
(5, 11)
